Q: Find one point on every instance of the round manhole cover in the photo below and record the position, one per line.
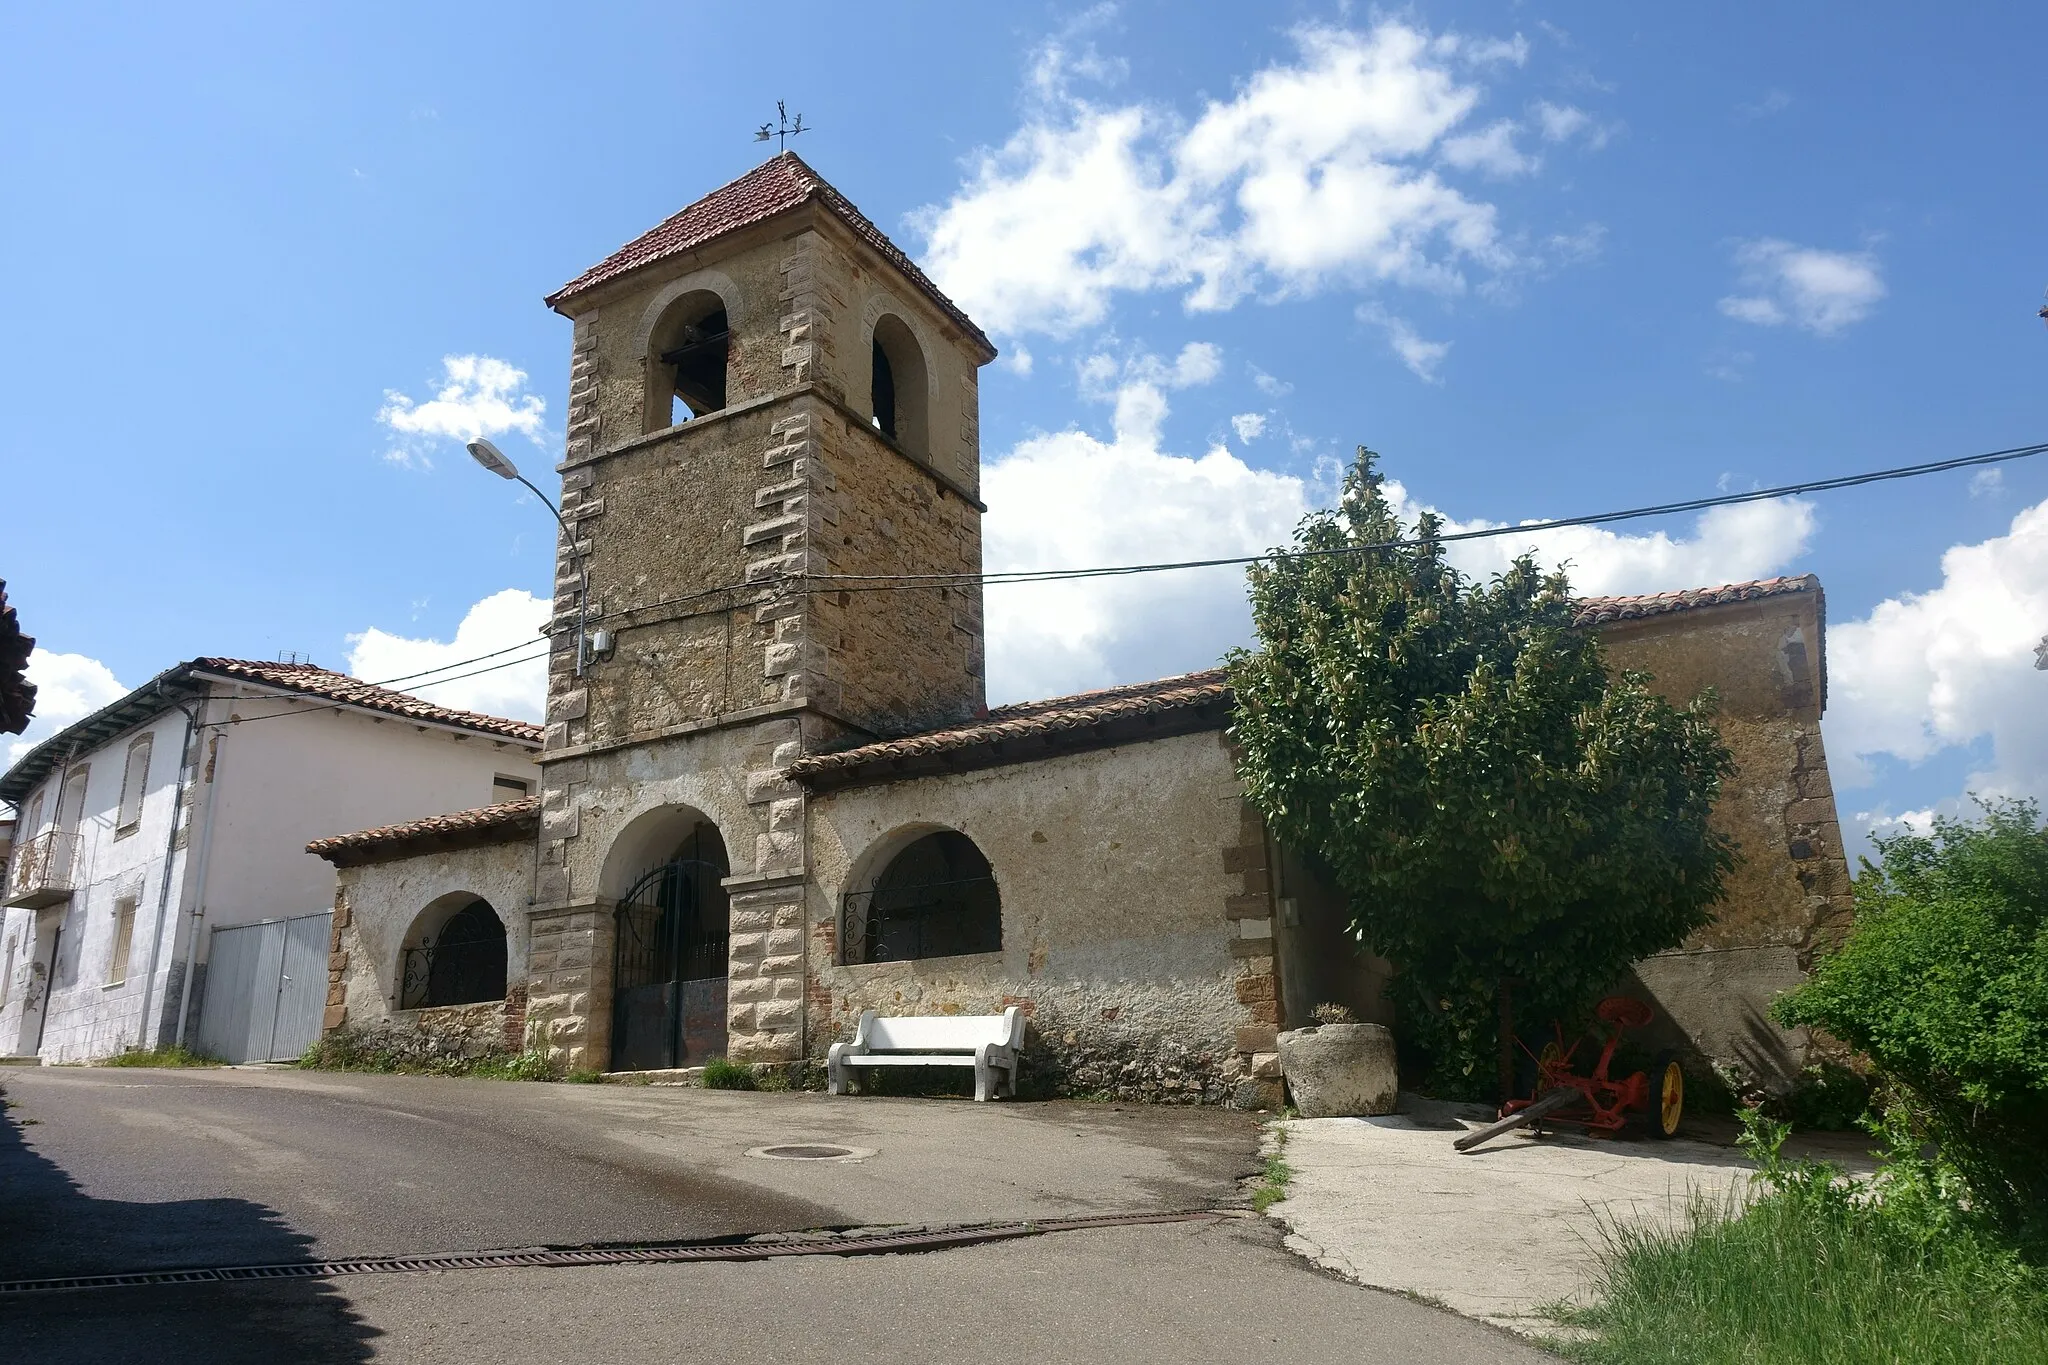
(811, 1151)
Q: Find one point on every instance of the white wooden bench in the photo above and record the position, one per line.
(987, 1042)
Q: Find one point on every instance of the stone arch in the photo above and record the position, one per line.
(454, 954)
(686, 346)
(650, 839)
(922, 890)
(899, 352)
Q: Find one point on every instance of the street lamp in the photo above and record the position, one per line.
(493, 459)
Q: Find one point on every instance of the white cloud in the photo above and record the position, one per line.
(1268, 385)
(479, 396)
(498, 622)
(1563, 122)
(1987, 483)
(1954, 666)
(1821, 291)
(69, 687)
(1419, 355)
(1773, 102)
(1072, 499)
(1249, 426)
(1319, 170)
(1492, 149)
(1727, 545)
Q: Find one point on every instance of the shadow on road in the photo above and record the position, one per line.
(50, 1227)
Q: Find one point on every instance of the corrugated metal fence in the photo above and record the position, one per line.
(266, 985)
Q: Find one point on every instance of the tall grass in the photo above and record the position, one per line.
(163, 1056)
(1819, 1270)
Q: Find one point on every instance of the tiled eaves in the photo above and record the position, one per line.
(504, 823)
(328, 685)
(1030, 731)
(1600, 611)
(1025, 732)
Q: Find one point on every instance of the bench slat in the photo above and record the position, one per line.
(963, 1034)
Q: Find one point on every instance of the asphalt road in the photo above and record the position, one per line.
(105, 1170)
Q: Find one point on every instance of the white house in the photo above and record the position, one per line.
(159, 890)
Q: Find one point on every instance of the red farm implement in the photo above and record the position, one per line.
(1652, 1101)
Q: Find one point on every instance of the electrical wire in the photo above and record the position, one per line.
(875, 582)
(900, 582)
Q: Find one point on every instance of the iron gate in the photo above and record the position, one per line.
(266, 985)
(669, 968)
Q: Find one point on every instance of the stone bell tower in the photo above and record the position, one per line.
(767, 400)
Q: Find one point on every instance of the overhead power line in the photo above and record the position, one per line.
(871, 582)
(897, 582)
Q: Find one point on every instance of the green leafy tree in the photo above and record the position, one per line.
(1943, 984)
(1494, 805)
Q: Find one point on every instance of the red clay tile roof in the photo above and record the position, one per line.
(507, 822)
(777, 185)
(1034, 729)
(1192, 701)
(1599, 611)
(325, 683)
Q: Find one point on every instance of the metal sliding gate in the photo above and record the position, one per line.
(669, 968)
(266, 986)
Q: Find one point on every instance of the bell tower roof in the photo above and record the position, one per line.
(781, 184)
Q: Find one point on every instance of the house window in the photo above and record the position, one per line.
(124, 939)
(505, 788)
(134, 783)
(936, 898)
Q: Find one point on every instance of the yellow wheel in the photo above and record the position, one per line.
(1667, 1097)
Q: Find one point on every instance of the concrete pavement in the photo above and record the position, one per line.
(118, 1169)
(1501, 1231)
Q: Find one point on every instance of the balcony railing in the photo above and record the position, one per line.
(43, 869)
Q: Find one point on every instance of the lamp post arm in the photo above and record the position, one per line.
(582, 572)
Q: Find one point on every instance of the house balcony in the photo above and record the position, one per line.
(43, 869)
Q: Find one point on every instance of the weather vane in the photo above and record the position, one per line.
(783, 130)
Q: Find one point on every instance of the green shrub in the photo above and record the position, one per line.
(720, 1074)
(1942, 983)
(1819, 1268)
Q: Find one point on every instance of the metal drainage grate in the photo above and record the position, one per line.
(767, 1247)
(811, 1151)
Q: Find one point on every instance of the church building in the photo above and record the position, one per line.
(772, 794)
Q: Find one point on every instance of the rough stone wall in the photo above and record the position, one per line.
(376, 907)
(1763, 658)
(1136, 928)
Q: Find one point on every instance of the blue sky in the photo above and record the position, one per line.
(1546, 261)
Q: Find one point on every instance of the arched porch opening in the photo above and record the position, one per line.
(671, 939)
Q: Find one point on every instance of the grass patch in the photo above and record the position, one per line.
(1818, 1270)
(720, 1074)
(1272, 1186)
(162, 1056)
(419, 1055)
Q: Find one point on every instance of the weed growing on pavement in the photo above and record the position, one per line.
(584, 1077)
(1272, 1187)
(1819, 1268)
(162, 1056)
(720, 1074)
(420, 1054)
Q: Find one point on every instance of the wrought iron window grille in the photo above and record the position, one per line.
(929, 919)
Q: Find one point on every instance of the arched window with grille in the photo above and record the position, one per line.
(936, 897)
(454, 956)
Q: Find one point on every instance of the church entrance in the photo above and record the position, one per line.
(669, 960)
